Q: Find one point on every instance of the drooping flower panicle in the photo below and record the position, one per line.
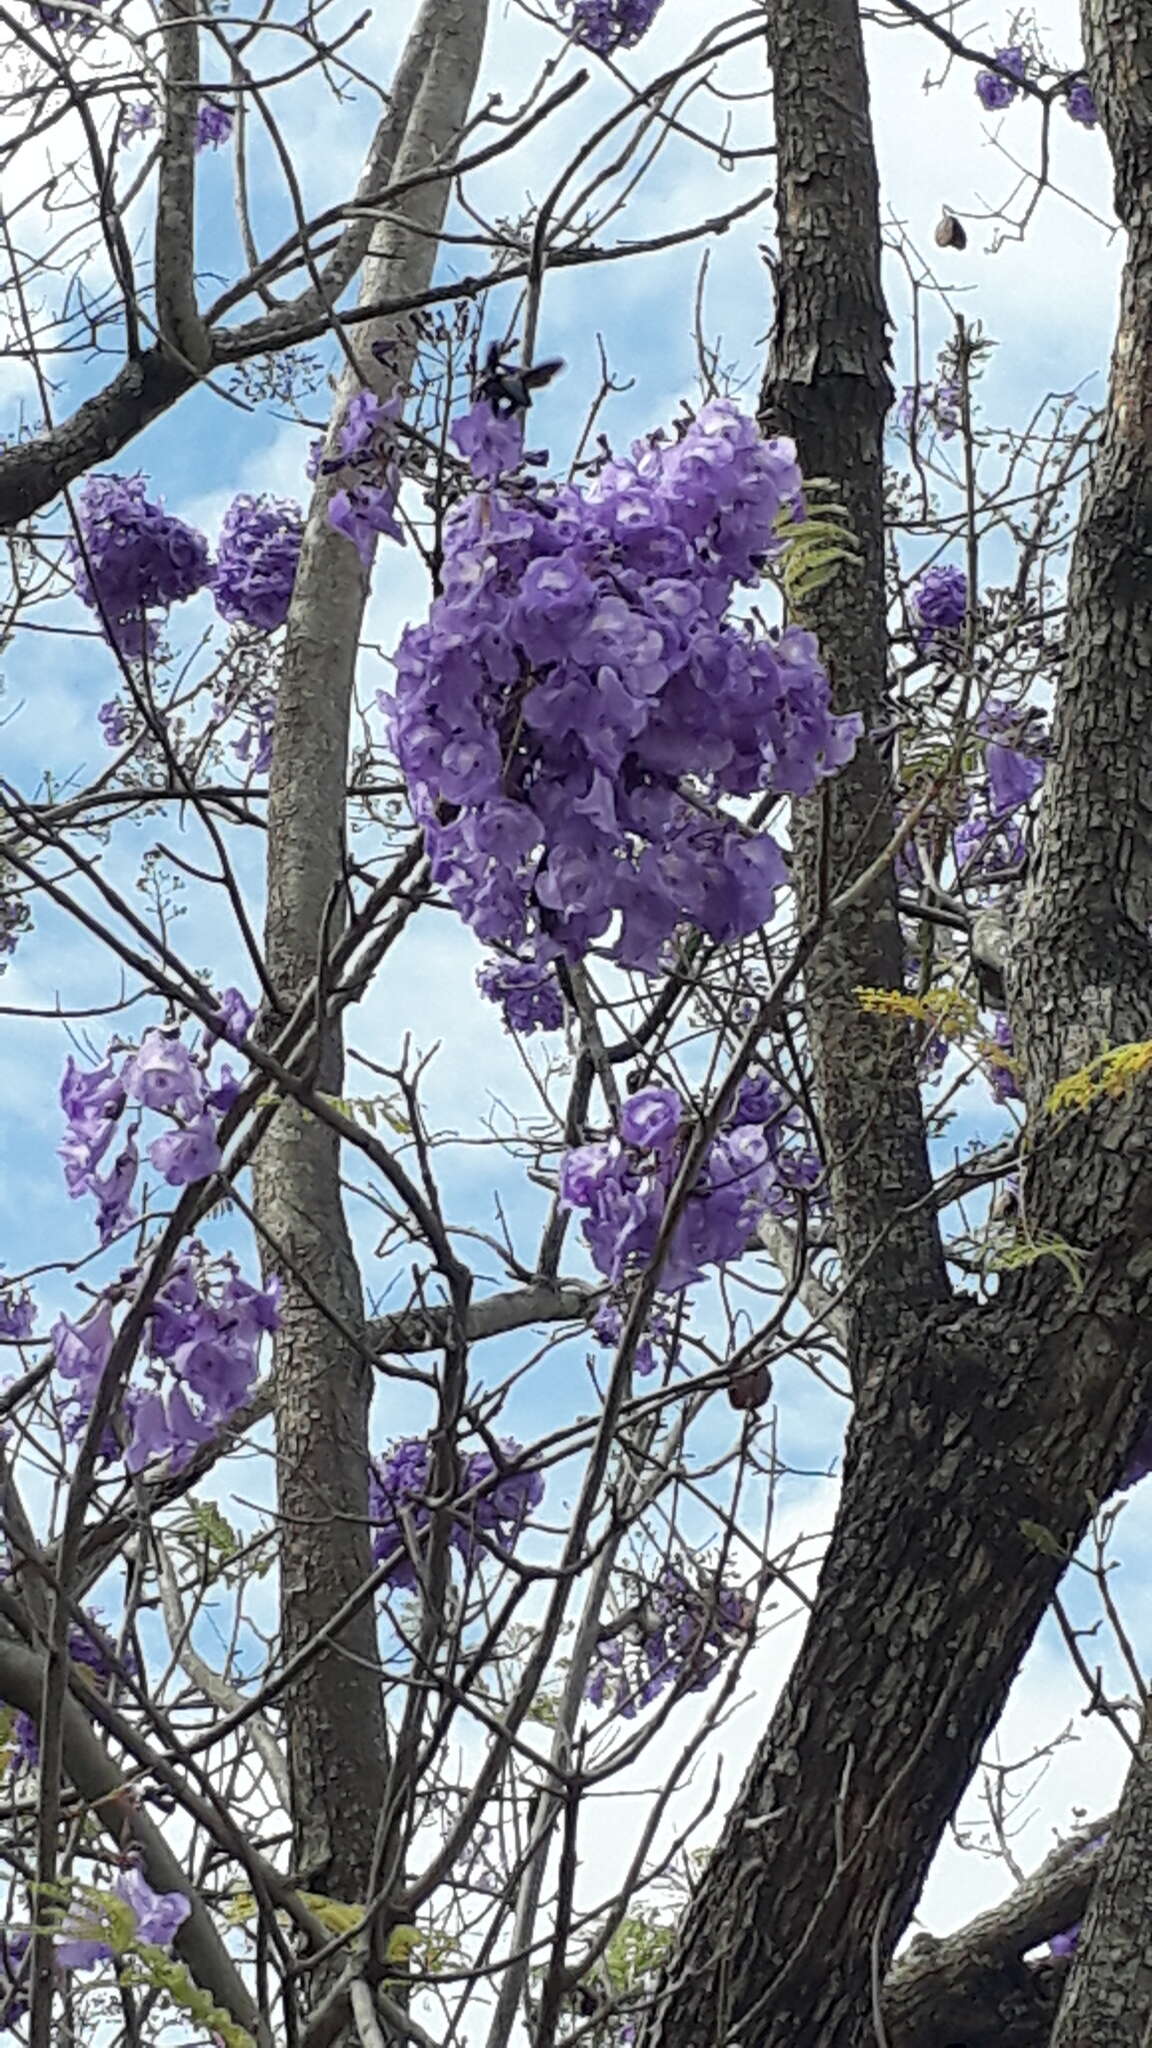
(494, 1499)
(256, 560)
(993, 89)
(607, 25)
(754, 1167)
(136, 559)
(578, 666)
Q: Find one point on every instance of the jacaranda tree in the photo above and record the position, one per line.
(743, 795)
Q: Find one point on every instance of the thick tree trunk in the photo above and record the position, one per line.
(334, 1714)
(982, 1426)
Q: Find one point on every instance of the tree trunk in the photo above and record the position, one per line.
(334, 1714)
(827, 386)
(982, 1435)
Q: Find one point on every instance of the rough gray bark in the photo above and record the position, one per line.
(974, 1425)
(827, 386)
(1108, 2001)
(334, 1716)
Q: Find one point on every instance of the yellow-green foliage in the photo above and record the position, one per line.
(816, 546)
(154, 1968)
(944, 1010)
(1114, 1074)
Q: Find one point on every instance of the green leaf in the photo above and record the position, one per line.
(1042, 1539)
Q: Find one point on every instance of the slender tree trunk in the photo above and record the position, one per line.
(827, 386)
(334, 1714)
(982, 1434)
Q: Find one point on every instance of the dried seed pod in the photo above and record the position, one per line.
(949, 233)
(750, 1389)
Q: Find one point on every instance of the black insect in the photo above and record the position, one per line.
(507, 387)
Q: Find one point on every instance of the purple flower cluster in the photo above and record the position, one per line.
(492, 444)
(13, 1979)
(253, 713)
(984, 844)
(607, 25)
(256, 558)
(138, 119)
(622, 1183)
(214, 124)
(494, 1500)
(64, 22)
(17, 1312)
(135, 558)
(202, 1345)
(938, 405)
(527, 993)
(655, 1346)
(86, 1939)
(1066, 1943)
(679, 1634)
(1015, 747)
(90, 1648)
(578, 667)
(1080, 101)
(365, 508)
(940, 600)
(1005, 1083)
(993, 90)
(115, 721)
(162, 1075)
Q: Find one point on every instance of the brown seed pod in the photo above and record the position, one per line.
(949, 233)
(750, 1389)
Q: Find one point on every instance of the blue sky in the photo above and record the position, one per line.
(1048, 301)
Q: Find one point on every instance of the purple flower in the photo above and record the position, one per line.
(607, 25)
(13, 1978)
(1080, 101)
(82, 1350)
(86, 1937)
(17, 1312)
(113, 1191)
(528, 995)
(995, 91)
(936, 406)
(362, 419)
(940, 600)
(256, 561)
(650, 1120)
(1002, 1072)
(254, 744)
(363, 513)
(162, 1076)
(135, 557)
(115, 721)
(749, 1171)
(1015, 742)
(158, 1914)
(234, 1018)
(213, 124)
(223, 1095)
(491, 446)
(187, 1155)
(165, 1426)
(679, 1633)
(398, 1489)
(138, 119)
(1067, 1943)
